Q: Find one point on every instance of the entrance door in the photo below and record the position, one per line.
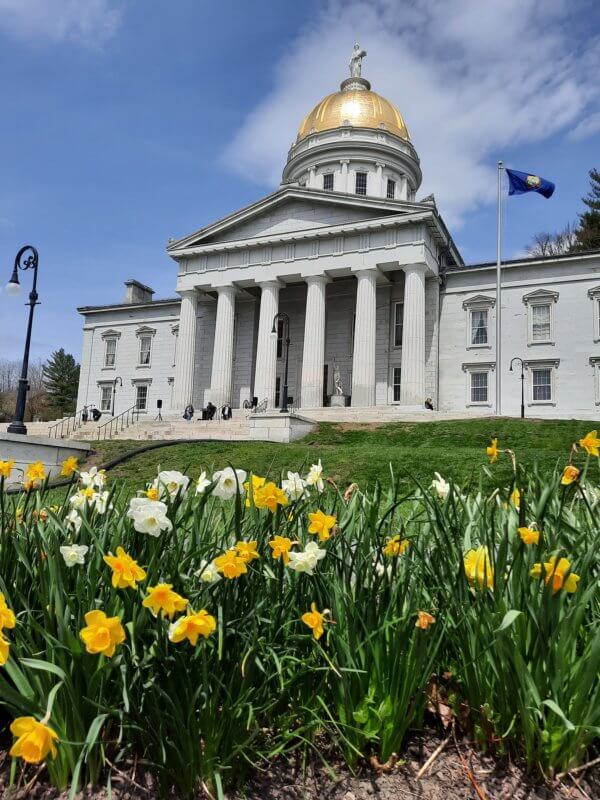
(325, 383)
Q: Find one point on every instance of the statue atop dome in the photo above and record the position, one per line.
(356, 61)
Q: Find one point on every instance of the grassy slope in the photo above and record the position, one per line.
(364, 453)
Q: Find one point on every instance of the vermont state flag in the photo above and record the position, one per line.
(522, 182)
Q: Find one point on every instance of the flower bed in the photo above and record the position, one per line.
(205, 625)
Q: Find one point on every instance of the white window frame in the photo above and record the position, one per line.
(395, 345)
(140, 386)
(487, 367)
(175, 332)
(541, 364)
(393, 383)
(110, 336)
(326, 175)
(356, 174)
(541, 297)
(594, 295)
(144, 333)
(108, 388)
(391, 196)
(595, 365)
(478, 303)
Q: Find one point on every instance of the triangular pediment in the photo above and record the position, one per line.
(293, 209)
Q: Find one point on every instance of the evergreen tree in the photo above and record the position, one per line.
(588, 233)
(61, 379)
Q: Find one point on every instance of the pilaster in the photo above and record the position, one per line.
(186, 350)
(412, 388)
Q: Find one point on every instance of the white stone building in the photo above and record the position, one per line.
(374, 287)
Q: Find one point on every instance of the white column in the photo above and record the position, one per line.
(344, 187)
(312, 177)
(363, 359)
(381, 190)
(222, 363)
(186, 351)
(266, 350)
(313, 354)
(404, 188)
(412, 388)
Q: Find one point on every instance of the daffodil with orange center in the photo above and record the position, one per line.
(314, 619)
(247, 551)
(35, 740)
(555, 571)
(424, 620)
(193, 625)
(161, 599)
(529, 535)
(396, 546)
(492, 451)
(591, 443)
(478, 568)
(68, 467)
(321, 524)
(570, 475)
(102, 634)
(6, 468)
(36, 472)
(125, 571)
(281, 546)
(270, 496)
(152, 493)
(230, 565)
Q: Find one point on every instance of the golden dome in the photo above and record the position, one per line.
(360, 108)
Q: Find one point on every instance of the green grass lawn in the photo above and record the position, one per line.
(364, 453)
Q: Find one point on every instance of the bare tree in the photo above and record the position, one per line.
(554, 244)
(9, 375)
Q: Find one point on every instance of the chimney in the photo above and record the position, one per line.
(136, 292)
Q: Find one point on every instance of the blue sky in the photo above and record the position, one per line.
(125, 123)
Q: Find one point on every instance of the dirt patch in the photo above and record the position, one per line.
(359, 426)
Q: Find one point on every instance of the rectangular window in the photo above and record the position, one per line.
(145, 348)
(105, 398)
(391, 189)
(361, 183)
(541, 381)
(396, 384)
(277, 391)
(479, 327)
(328, 181)
(141, 397)
(279, 338)
(110, 352)
(479, 387)
(398, 323)
(540, 322)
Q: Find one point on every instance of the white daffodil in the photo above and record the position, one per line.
(208, 573)
(170, 482)
(229, 482)
(315, 477)
(589, 493)
(74, 554)
(202, 483)
(441, 486)
(306, 560)
(73, 521)
(149, 516)
(100, 502)
(78, 500)
(95, 478)
(294, 486)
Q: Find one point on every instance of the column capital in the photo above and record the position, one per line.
(273, 283)
(375, 271)
(379, 164)
(420, 267)
(189, 294)
(344, 160)
(320, 277)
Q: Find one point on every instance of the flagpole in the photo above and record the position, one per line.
(498, 293)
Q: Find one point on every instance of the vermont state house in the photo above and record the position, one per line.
(382, 309)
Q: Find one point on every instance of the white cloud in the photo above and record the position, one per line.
(87, 22)
(587, 127)
(472, 80)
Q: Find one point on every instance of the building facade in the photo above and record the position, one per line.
(376, 293)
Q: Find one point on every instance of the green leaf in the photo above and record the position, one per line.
(508, 619)
(560, 713)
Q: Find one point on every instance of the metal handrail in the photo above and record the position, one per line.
(119, 423)
(72, 422)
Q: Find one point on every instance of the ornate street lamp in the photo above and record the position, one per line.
(516, 358)
(118, 378)
(281, 315)
(13, 287)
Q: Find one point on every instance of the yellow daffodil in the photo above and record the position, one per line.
(162, 599)
(529, 535)
(515, 498)
(281, 547)
(424, 620)
(190, 627)
(6, 468)
(314, 620)
(591, 443)
(230, 565)
(69, 466)
(478, 568)
(152, 493)
(395, 546)
(570, 475)
(4, 649)
(492, 451)
(555, 571)
(35, 740)
(321, 524)
(270, 496)
(36, 472)
(7, 617)
(247, 551)
(102, 634)
(125, 571)
(257, 483)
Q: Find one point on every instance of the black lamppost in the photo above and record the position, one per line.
(281, 315)
(118, 378)
(516, 358)
(13, 287)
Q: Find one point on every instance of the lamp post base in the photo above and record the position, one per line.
(17, 427)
